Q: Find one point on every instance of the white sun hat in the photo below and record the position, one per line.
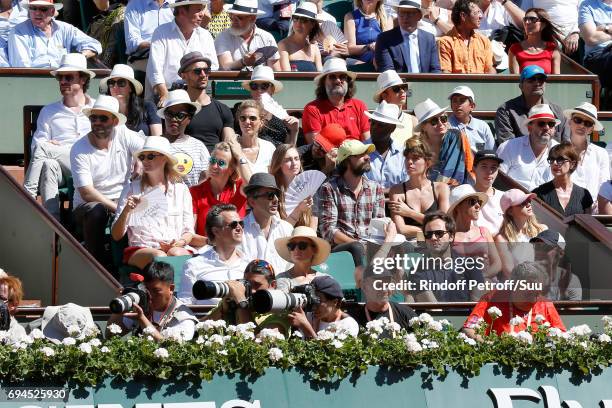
(57, 321)
(425, 110)
(334, 65)
(124, 72)
(386, 80)
(463, 192)
(73, 62)
(308, 10)
(158, 144)
(587, 110)
(263, 73)
(106, 103)
(180, 3)
(541, 111)
(57, 6)
(178, 97)
(386, 113)
(247, 7)
(408, 4)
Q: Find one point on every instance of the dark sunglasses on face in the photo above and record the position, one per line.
(526, 203)
(178, 116)
(121, 83)
(198, 71)
(234, 224)
(579, 121)
(219, 162)
(270, 195)
(559, 161)
(530, 20)
(341, 77)
(437, 233)
(399, 88)
(65, 78)
(150, 156)
(543, 123)
(473, 201)
(244, 118)
(302, 245)
(100, 118)
(256, 86)
(302, 19)
(438, 119)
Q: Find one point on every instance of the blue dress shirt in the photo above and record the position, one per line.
(388, 170)
(478, 132)
(142, 17)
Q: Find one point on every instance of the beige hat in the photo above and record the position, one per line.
(157, 144)
(463, 192)
(73, 62)
(588, 110)
(323, 247)
(263, 73)
(352, 147)
(108, 104)
(386, 80)
(124, 72)
(334, 65)
(57, 320)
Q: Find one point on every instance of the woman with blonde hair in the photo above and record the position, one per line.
(258, 152)
(165, 231)
(518, 227)
(285, 165)
(363, 25)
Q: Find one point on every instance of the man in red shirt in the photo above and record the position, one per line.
(527, 304)
(335, 103)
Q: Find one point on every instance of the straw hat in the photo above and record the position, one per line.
(586, 110)
(180, 3)
(178, 97)
(541, 111)
(425, 110)
(334, 65)
(245, 7)
(386, 113)
(323, 247)
(57, 320)
(263, 73)
(57, 6)
(463, 192)
(73, 62)
(108, 104)
(157, 144)
(386, 80)
(307, 10)
(124, 72)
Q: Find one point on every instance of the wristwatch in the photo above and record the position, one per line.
(606, 30)
(243, 160)
(243, 304)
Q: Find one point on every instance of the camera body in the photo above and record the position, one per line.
(210, 289)
(5, 317)
(131, 296)
(275, 300)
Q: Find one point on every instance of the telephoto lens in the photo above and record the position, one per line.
(208, 289)
(275, 300)
(124, 303)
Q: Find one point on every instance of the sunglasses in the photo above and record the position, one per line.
(178, 116)
(531, 20)
(473, 201)
(244, 118)
(150, 156)
(302, 245)
(543, 123)
(526, 203)
(437, 233)
(234, 224)
(399, 88)
(198, 71)
(100, 118)
(438, 119)
(219, 162)
(121, 83)
(341, 77)
(579, 121)
(270, 195)
(559, 161)
(302, 19)
(256, 266)
(256, 86)
(65, 78)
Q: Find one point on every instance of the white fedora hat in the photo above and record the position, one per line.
(308, 10)
(180, 3)
(386, 80)
(333, 65)
(178, 97)
(323, 247)
(157, 144)
(425, 110)
(121, 71)
(462, 90)
(57, 320)
(408, 4)
(73, 62)
(588, 110)
(57, 6)
(263, 73)
(386, 113)
(243, 7)
(108, 104)
(541, 111)
(461, 193)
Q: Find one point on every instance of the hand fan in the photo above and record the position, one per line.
(303, 185)
(153, 205)
(270, 105)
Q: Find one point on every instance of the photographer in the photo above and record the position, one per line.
(11, 293)
(236, 307)
(162, 309)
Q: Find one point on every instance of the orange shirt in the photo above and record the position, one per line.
(474, 58)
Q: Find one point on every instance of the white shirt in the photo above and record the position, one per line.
(521, 164)
(235, 45)
(494, 18)
(58, 122)
(264, 157)
(348, 323)
(178, 220)
(168, 45)
(208, 266)
(593, 169)
(183, 321)
(426, 24)
(491, 215)
(413, 40)
(256, 246)
(104, 169)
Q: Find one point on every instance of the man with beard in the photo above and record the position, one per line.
(510, 119)
(524, 158)
(263, 225)
(214, 122)
(335, 103)
(59, 125)
(172, 40)
(100, 162)
(222, 260)
(238, 45)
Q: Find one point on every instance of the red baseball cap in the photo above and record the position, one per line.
(331, 136)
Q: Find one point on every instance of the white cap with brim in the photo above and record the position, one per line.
(263, 73)
(386, 113)
(121, 71)
(181, 3)
(352, 147)
(307, 10)
(408, 4)
(109, 104)
(462, 193)
(463, 90)
(246, 7)
(425, 110)
(73, 62)
(541, 112)
(157, 144)
(334, 65)
(386, 80)
(586, 110)
(56, 6)
(178, 97)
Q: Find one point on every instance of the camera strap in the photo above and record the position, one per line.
(168, 314)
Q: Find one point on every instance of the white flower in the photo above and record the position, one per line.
(271, 334)
(69, 341)
(476, 324)
(467, 339)
(3, 336)
(298, 334)
(222, 352)
(413, 346)
(555, 332)
(584, 344)
(517, 320)
(434, 325)
(161, 353)
(73, 330)
(445, 322)
(215, 338)
(27, 339)
(173, 333)
(91, 330)
(494, 312)
(539, 319)
(337, 344)
(607, 320)
(425, 318)
(414, 321)
(200, 340)
(48, 351)
(149, 330)
(524, 336)
(37, 334)
(325, 335)
(114, 328)
(85, 348)
(410, 337)
(104, 349)
(20, 345)
(376, 326)
(429, 344)
(546, 324)
(604, 338)
(95, 342)
(275, 354)
(581, 330)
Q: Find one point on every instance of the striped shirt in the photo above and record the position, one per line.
(192, 158)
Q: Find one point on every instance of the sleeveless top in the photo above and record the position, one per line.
(475, 247)
(542, 59)
(366, 32)
(303, 66)
(432, 207)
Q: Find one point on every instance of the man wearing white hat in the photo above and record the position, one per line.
(244, 44)
(525, 157)
(478, 132)
(387, 160)
(172, 40)
(407, 48)
(334, 103)
(59, 125)
(41, 41)
(101, 162)
(391, 89)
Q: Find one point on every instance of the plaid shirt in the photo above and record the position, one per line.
(339, 210)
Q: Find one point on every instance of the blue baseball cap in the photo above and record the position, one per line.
(532, 70)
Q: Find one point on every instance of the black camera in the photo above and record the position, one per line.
(5, 317)
(131, 296)
(208, 289)
(275, 300)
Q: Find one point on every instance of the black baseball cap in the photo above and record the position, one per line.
(487, 154)
(550, 237)
(328, 286)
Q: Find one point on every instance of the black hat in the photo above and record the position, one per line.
(192, 58)
(550, 237)
(328, 286)
(260, 180)
(486, 154)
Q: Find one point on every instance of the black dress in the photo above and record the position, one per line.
(580, 200)
(433, 207)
